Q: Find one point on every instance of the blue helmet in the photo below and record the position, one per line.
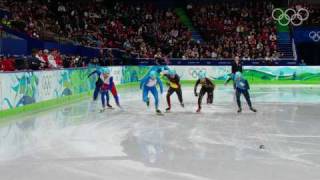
(202, 75)
(238, 75)
(106, 70)
(153, 74)
(172, 72)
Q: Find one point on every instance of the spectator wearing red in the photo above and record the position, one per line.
(8, 64)
(58, 59)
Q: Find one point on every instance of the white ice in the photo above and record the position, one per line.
(77, 142)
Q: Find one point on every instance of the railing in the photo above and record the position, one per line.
(295, 56)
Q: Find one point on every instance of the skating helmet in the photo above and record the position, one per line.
(153, 74)
(238, 75)
(172, 72)
(106, 70)
(202, 75)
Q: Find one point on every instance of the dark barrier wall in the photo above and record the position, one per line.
(307, 40)
(306, 34)
(309, 52)
(10, 46)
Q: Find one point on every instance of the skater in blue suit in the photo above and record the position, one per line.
(242, 87)
(98, 83)
(149, 83)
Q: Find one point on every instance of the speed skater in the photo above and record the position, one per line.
(174, 86)
(206, 87)
(242, 87)
(149, 83)
(98, 83)
(108, 85)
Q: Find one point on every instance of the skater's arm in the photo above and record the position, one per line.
(92, 73)
(247, 84)
(143, 81)
(165, 73)
(230, 77)
(210, 83)
(178, 80)
(195, 87)
(111, 82)
(160, 84)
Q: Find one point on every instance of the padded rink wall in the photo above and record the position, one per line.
(38, 90)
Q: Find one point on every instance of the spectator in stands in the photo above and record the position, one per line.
(8, 64)
(51, 61)
(1, 65)
(228, 29)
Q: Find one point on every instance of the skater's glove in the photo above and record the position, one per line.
(196, 94)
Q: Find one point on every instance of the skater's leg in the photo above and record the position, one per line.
(201, 94)
(210, 96)
(248, 99)
(108, 99)
(115, 95)
(238, 94)
(96, 92)
(179, 94)
(169, 93)
(154, 92)
(145, 98)
(103, 100)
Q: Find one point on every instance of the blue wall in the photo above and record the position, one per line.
(13, 46)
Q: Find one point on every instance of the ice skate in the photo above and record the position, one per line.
(159, 112)
(252, 109)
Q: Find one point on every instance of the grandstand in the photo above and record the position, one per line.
(189, 30)
(159, 89)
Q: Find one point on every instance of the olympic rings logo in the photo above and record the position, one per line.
(315, 36)
(296, 18)
(194, 72)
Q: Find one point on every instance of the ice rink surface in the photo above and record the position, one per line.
(77, 142)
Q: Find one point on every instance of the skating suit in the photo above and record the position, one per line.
(98, 84)
(242, 87)
(174, 86)
(206, 87)
(148, 84)
(108, 85)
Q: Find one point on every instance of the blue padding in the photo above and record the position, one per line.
(13, 46)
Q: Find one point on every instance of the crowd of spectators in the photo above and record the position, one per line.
(314, 13)
(93, 24)
(243, 29)
(42, 60)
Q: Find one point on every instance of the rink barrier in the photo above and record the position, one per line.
(41, 106)
(24, 92)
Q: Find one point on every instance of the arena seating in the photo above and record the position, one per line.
(210, 30)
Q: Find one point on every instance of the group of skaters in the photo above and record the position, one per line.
(149, 83)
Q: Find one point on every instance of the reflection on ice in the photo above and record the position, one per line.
(78, 142)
